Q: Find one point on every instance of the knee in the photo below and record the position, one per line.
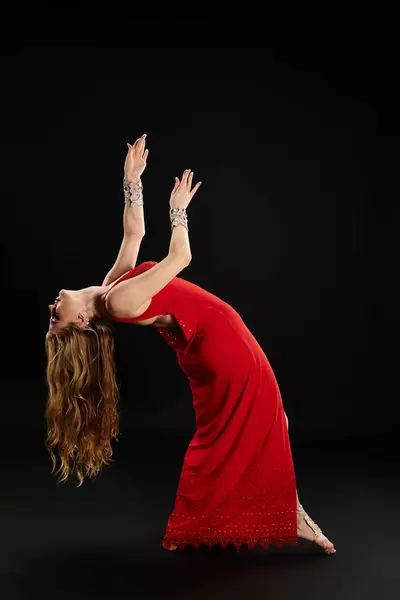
(287, 420)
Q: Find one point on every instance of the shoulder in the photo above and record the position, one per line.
(116, 303)
(112, 277)
(120, 310)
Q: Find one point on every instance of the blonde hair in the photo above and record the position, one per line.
(82, 405)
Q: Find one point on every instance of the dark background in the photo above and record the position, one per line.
(295, 224)
(293, 127)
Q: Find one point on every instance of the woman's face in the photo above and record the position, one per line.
(64, 310)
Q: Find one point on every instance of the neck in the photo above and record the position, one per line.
(92, 295)
(95, 290)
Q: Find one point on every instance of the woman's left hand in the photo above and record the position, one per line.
(135, 161)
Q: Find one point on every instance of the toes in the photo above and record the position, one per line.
(328, 546)
(171, 547)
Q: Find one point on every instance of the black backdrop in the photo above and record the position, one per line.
(294, 134)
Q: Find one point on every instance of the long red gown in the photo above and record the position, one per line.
(237, 484)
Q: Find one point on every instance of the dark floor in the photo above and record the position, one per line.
(103, 540)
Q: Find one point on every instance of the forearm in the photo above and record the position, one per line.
(126, 258)
(180, 198)
(134, 221)
(180, 245)
(133, 218)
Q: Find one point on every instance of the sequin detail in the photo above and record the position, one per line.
(251, 539)
(180, 338)
(259, 509)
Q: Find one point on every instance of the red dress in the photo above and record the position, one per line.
(237, 484)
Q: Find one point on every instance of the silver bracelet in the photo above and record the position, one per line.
(133, 193)
(177, 215)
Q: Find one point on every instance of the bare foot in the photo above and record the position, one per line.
(172, 547)
(308, 530)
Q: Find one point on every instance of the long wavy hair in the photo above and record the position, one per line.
(82, 411)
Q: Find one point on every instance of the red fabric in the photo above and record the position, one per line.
(237, 484)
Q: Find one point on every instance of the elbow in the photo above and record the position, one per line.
(134, 235)
(186, 259)
(182, 258)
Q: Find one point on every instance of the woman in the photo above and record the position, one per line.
(237, 483)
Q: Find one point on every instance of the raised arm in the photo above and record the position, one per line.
(133, 219)
(129, 298)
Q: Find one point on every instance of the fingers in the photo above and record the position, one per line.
(185, 176)
(141, 139)
(187, 179)
(177, 182)
(194, 190)
(139, 146)
(145, 155)
(141, 142)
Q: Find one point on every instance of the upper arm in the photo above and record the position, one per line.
(126, 258)
(126, 298)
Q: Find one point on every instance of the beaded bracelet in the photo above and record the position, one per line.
(177, 215)
(133, 193)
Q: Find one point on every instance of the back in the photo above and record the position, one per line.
(186, 301)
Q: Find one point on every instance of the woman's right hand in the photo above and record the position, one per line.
(135, 161)
(182, 193)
